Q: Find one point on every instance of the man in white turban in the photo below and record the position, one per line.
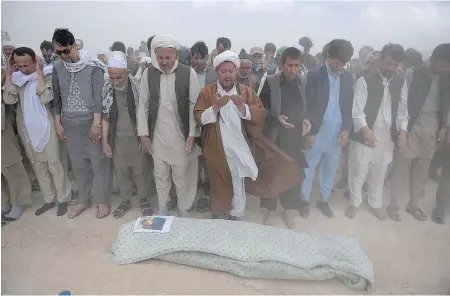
(230, 114)
(120, 140)
(7, 48)
(166, 124)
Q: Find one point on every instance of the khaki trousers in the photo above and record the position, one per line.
(54, 183)
(184, 177)
(18, 184)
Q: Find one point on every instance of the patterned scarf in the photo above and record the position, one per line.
(85, 60)
(108, 92)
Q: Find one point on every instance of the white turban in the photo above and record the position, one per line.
(227, 56)
(165, 41)
(7, 43)
(117, 59)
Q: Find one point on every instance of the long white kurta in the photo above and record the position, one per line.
(372, 163)
(169, 146)
(238, 154)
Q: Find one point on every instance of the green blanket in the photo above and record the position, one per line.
(249, 250)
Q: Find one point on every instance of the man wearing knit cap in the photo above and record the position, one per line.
(166, 125)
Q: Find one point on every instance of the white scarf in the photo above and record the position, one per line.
(85, 60)
(34, 113)
(235, 145)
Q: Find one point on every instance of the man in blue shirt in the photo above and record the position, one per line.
(329, 99)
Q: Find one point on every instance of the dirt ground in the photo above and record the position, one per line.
(48, 254)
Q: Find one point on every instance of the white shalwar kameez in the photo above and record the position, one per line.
(372, 163)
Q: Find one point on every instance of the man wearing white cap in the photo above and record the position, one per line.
(166, 125)
(229, 114)
(120, 140)
(7, 48)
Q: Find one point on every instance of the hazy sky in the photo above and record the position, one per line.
(421, 25)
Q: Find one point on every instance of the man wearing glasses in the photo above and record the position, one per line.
(77, 85)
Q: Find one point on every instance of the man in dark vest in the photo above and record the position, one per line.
(379, 106)
(166, 125)
(120, 140)
(428, 91)
(283, 97)
(329, 97)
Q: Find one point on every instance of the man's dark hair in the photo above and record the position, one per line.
(270, 47)
(63, 37)
(441, 52)
(306, 42)
(149, 43)
(47, 45)
(292, 53)
(23, 51)
(366, 48)
(118, 46)
(396, 51)
(413, 57)
(224, 41)
(341, 50)
(199, 48)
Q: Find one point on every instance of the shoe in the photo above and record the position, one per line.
(304, 209)
(289, 218)
(351, 212)
(324, 207)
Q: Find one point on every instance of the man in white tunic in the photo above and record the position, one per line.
(31, 89)
(228, 112)
(379, 110)
(166, 125)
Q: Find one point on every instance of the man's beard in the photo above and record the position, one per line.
(120, 87)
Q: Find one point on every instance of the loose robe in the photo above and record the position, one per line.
(213, 151)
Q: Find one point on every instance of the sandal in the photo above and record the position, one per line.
(172, 204)
(417, 213)
(202, 205)
(394, 214)
(121, 210)
(102, 213)
(438, 216)
(146, 208)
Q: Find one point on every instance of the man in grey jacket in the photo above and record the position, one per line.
(77, 85)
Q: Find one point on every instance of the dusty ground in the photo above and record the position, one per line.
(49, 254)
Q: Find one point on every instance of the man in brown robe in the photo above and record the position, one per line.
(229, 114)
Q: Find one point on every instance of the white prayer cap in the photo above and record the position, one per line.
(165, 41)
(227, 56)
(7, 43)
(146, 60)
(103, 51)
(117, 59)
(299, 47)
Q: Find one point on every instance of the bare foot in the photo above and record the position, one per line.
(103, 211)
(76, 210)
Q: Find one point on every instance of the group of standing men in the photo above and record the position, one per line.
(178, 116)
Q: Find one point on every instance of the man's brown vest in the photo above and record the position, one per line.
(182, 82)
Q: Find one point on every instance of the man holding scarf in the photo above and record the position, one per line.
(77, 86)
(120, 140)
(31, 89)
